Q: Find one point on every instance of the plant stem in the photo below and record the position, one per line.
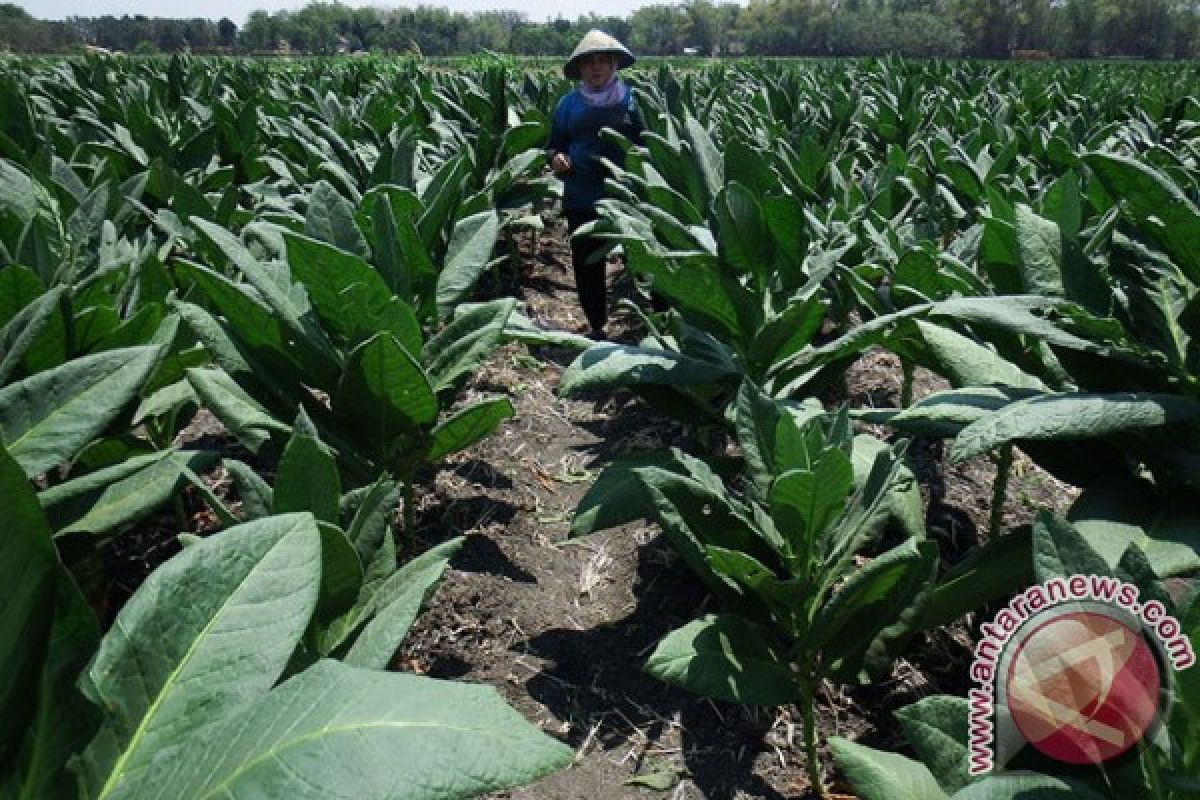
(181, 516)
(1004, 462)
(410, 515)
(808, 708)
(906, 385)
(68, 315)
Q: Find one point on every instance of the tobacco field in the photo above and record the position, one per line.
(311, 489)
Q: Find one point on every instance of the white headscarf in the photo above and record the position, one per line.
(609, 94)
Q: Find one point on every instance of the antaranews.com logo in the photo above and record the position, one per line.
(1077, 667)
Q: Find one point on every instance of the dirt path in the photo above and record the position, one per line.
(561, 627)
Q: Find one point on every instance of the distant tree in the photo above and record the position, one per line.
(703, 25)
(659, 29)
(19, 31)
(978, 28)
(14, 13)
(226, 32)
(260, 33)
(1186, 15)
(200, 33)
(168, 35)
(614, 26)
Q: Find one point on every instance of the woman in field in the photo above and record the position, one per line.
(601, 100)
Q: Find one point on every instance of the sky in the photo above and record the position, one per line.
(237, 10)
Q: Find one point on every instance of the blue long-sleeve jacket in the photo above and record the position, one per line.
(575, 132)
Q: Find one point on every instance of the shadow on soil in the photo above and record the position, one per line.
(593, 679)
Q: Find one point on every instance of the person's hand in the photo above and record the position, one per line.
(560, 164)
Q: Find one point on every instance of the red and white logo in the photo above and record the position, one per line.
(1077, 667)
(1082, 687)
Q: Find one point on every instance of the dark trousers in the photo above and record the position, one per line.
(588, 265)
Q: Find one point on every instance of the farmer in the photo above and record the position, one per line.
(602, 100)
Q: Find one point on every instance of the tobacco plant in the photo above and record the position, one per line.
(325, 320)
(801, 602)
(196, 689)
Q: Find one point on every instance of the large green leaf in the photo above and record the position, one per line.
(17, 195)
(946, 413)
(937, 729)
(240, 413)
(208, 632)
(695, 510)
(333, 638)
(793, 371)
(350, 297)
(879, 775)
(1039, 245)
(258, 332)
(1018, 785)
(412, 251)
(748, 166)
(745, 243)
(696, 285)
(342, 575)
(21, 332)
(608, 366)
(72, 499)
(708, 161)
(257, 496)
(467, 426)
(1166, 529)
(1060, 551)
(340, 730)
(128, 499)
(463, 345)
(166, 403)
(1073, 416)
(395, 274)
(63, 721)
(756, 424)
(49, 417)
(28, 569)
(307, 476)
(967, 363)
(785, 333)
(367, 512)
(618, 496)
(902, 504)
(1155, 204)
(288, 302)
(384, 392)
(723, 656)
(750, 578)
(991, 572)
(397, 603)
(467, 256)
(215, 342)
(871, 598)
(1020, 314)
(19, 287)
(522, 329)
(805, 501)
(440, 197)
(330, 218)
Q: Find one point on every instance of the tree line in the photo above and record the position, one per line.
(972, 28)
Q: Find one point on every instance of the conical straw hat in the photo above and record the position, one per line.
(597, 42)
